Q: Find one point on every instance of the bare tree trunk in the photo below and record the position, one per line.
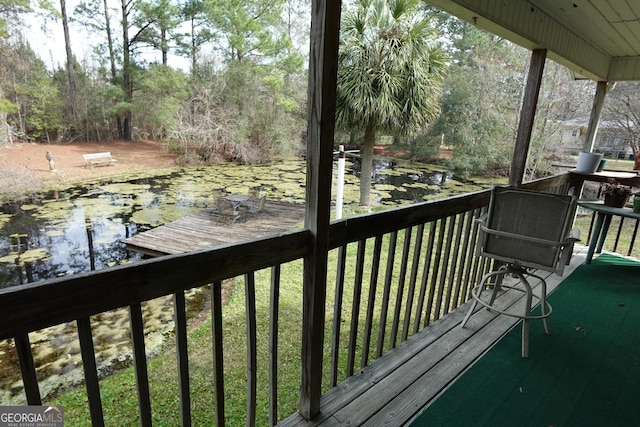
(126, 72)
(164, 46)
(635, 151)
(112, 59)
(194, 49)
(5, 130)
(71, 73)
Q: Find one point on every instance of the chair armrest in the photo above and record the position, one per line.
(567, 252)
(574, 234)
(544, 242)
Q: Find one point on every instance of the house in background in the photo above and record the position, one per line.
(608, 140)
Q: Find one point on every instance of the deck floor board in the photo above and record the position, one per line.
(202, 229)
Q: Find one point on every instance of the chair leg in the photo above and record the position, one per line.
(469, 313)
(543, 302)
(479, 288)
(526, 317)
(500, 273)
(543, 306)
(527, 314)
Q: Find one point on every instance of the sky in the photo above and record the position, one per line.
(49, 43)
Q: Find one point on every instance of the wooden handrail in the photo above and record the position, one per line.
(365, 226)
(42, 304)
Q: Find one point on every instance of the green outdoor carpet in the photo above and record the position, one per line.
(586, 373)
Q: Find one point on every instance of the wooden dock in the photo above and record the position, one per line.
(202, 229)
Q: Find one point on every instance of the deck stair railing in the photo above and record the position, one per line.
(395, 272)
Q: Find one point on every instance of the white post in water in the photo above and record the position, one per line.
(340, 183)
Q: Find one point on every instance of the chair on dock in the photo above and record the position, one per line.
(227, 210)
(524, 230)
(255, 205)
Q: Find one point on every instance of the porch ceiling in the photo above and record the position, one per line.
(596, 39)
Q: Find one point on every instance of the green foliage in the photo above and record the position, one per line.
(121, 109)
(390, 67)
(244, 113)
(159, 99)
(248, 27)
(390, 74)
(266, 108)
(481, 160)
(158, 19)
(247, 108)
(422, 147)
(7, 106)
(40, 101)
(7, 9)
(480, 101)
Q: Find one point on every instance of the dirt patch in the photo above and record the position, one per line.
(24, 167)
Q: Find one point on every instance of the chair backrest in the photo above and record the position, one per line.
(226, 207)
(523, 226)
(261, 202)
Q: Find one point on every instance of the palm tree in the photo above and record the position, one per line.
(390, 74)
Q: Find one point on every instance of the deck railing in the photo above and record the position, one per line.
(395, 272)
(623, 231)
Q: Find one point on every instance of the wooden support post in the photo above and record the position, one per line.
(527, 115)
(323, 66)
(594, 120)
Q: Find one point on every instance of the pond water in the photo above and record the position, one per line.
(79, 229)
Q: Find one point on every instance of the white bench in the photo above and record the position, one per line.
(98, 159)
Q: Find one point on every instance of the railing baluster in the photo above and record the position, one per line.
(478, 262)
(452, 259)
(89, 366)
(424, 283)
(337, 314)
(252, 352)
(140, 363)
(218, 355)
(274, 322)
(417, 247)
(355, 309)
(464, 260)
(386, 295)
(401, 279)
(375, 268)
(441, 264)
(28, 369)
(433, 290)
(182, 355)
(633, 238)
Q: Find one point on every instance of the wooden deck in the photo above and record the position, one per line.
(202, 229)
(396, 388)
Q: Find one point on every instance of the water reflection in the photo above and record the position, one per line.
(81, 228)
